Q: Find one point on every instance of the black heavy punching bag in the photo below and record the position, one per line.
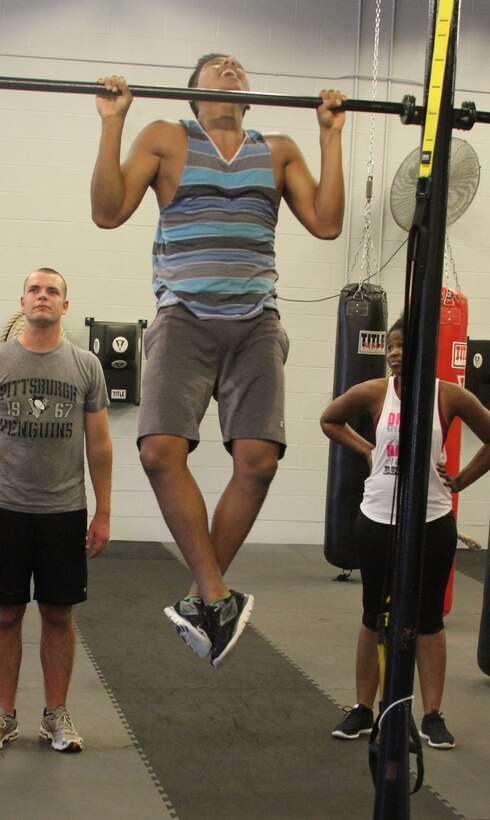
(359, 356)
(484, 636)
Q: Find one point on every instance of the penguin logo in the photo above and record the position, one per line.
(38, 405)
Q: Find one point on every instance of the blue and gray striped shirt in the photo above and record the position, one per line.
(214, 242)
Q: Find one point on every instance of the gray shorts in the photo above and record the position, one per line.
(239, 363)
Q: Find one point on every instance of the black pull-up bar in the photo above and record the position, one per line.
(247, 97)
(250, 97)
(410, 113)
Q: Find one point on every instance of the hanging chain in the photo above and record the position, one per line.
(374, 87)
(449, 262)
(366, 248)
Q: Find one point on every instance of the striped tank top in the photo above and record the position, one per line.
(214, 242)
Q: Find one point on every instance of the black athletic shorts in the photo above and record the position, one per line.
(48, 548)
(374, 540)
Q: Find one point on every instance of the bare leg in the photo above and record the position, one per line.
(10, 653)
(431, 665)
(208, 554)
(57, 652)
(164, 459)
(254, 467)
(367, 668)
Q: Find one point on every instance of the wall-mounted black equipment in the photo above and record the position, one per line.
(119, 348)
(477, 378)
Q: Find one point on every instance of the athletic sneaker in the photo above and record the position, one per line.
(189, 619)
(57, 727)
(435, 730)
(358, 721)
(227, 619)
(8, 727)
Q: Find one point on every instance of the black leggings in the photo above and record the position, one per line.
(374, 541)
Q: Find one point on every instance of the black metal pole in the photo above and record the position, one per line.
(410, 113)
(422, 307)
(250, 97)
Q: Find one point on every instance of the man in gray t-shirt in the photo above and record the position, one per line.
(53, 400)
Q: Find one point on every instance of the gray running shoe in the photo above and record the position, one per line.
(227, 619)
(358, 721)
(58, 727)
(435, 731)
(8, 727)
(190, 621)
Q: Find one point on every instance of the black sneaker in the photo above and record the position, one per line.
(435, 730)
(189, 619)
(359, 720)
(227, 619)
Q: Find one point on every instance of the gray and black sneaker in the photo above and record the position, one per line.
(359, 720)
(190, 621)
(435, 731)
(227, 620)
(8, 727)
(58, 727)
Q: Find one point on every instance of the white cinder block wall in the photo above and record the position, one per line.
(48, 147)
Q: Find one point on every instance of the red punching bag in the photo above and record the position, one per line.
(451, 364)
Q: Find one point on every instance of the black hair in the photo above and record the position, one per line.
(194, 78)
(398, 325)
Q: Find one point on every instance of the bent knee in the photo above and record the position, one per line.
(258, 465)
(161, 453)
(265, 471)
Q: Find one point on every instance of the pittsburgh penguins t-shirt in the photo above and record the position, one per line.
(43, 401)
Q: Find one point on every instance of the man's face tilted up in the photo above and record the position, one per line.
(218, 72)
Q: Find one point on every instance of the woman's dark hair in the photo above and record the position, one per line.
(398, 325)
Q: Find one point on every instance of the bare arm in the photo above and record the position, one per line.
(366, 397)
(117, 189)
(319, 206)
(99, 457)
(458, 402)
